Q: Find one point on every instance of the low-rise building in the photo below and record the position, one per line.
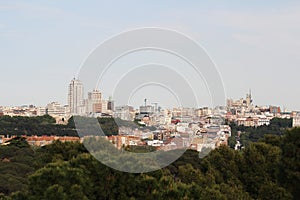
(296, 121)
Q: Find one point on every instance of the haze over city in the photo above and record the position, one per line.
(148, 99)
(253, 45)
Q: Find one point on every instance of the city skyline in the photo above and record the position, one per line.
(92, 101)
(77, 97)
(142, 99)
(44, 44)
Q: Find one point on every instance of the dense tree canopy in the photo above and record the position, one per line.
(45, 125)
(268, 169)
(277, 127)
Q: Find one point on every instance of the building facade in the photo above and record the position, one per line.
(94, 104)
(296, 121)
(56, 109)
(75, 96)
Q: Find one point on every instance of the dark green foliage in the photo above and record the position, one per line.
(15, 165)
(268, 169)
(290, 162)
(261, 166)
(253, 134)
(90, 126)
(270, 190)
(281, 123)
(190, 156)
(140, 149)
(58, 179)
(45, 125)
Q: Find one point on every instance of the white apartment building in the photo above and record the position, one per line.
(75, 96)
(40, 111)
(56, 109)
(263, 120)
(93, 103)
(296, 121)
(124, 112)
(104, 106)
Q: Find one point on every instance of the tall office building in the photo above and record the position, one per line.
(94, 102)
(104, 106)
(110, 104)
(75, 96)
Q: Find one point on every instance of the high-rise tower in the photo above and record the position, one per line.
(75, 96)
(94, 102)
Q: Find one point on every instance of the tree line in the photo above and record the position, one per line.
(267, 169)
(248, 134)
(45, 125)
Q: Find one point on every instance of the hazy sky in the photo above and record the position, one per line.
(255, 44)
